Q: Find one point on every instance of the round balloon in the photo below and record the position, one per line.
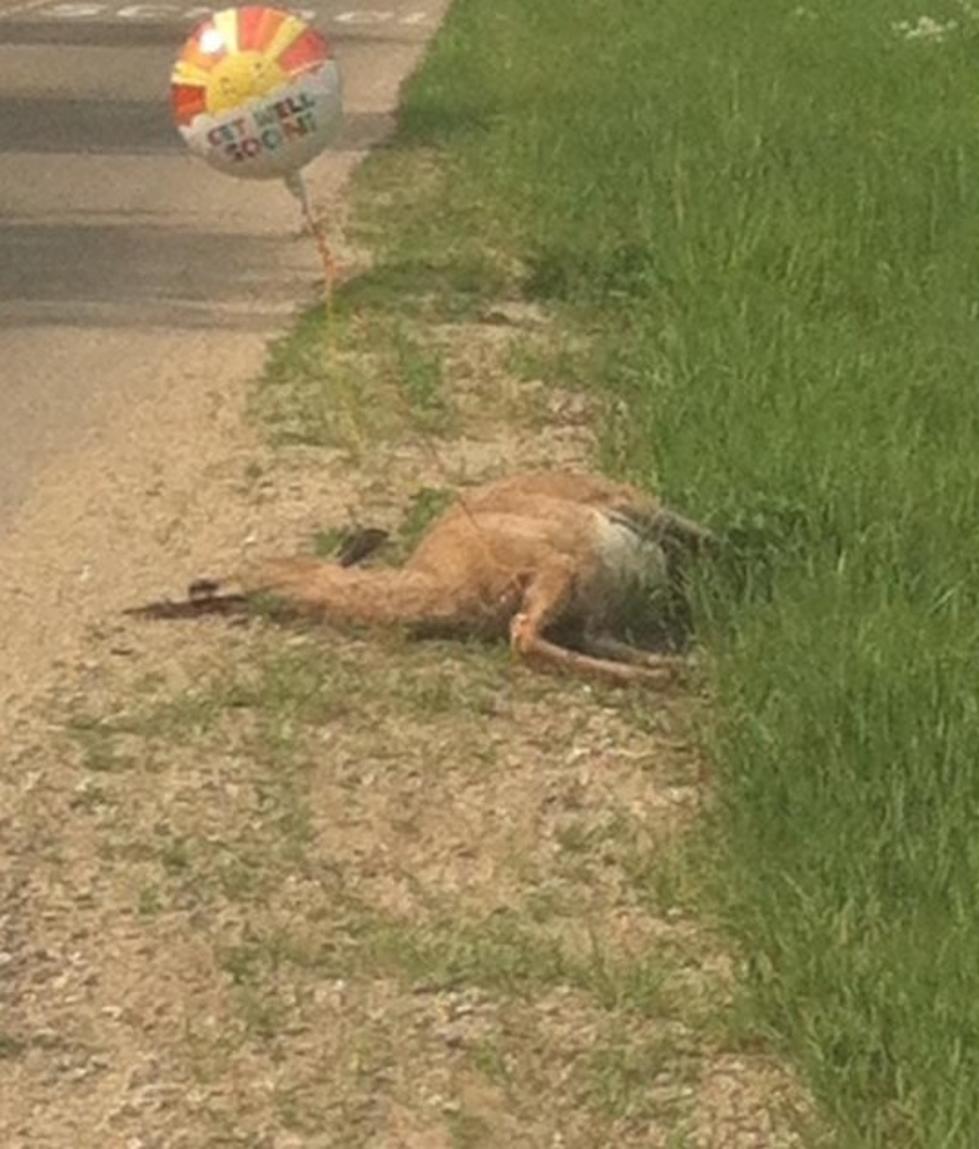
(256, 92)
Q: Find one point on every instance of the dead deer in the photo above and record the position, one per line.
(536, 558)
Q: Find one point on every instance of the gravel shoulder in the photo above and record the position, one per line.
(285, 888)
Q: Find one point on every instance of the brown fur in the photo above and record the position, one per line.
(524, 557)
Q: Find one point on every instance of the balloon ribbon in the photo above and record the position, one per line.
(297, 185)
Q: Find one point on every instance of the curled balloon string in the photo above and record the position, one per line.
(297, 185)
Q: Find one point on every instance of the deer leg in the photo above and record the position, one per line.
(284, 577)
(545, 598)
(612, 649)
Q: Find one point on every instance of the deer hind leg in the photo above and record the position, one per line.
(284, 576)
(417, 600)
(545, 598)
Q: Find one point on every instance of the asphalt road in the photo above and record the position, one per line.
(118, 251)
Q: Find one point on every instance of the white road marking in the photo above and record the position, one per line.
(72, 11)
(367, 17)
(92, 9)
(144, 12)
(17, 9)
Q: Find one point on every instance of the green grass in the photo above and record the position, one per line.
(11, 1046)
(765, 217)
(426, 505)
(381, 381)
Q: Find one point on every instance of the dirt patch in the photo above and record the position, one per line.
(295, 888)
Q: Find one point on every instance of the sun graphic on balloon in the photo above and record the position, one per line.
(239, 78)
(239, 55)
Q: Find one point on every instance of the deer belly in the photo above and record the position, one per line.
(627, 560)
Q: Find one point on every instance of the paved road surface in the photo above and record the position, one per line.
(119, 252)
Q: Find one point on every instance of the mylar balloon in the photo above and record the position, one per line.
(256, 92)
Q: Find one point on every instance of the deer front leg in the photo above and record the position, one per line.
(612, 649)
(546, 596)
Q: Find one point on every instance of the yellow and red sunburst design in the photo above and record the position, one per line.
(242, 54)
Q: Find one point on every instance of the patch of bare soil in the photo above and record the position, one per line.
(283, 888)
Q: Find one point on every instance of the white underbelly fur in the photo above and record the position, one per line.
(628, 560)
